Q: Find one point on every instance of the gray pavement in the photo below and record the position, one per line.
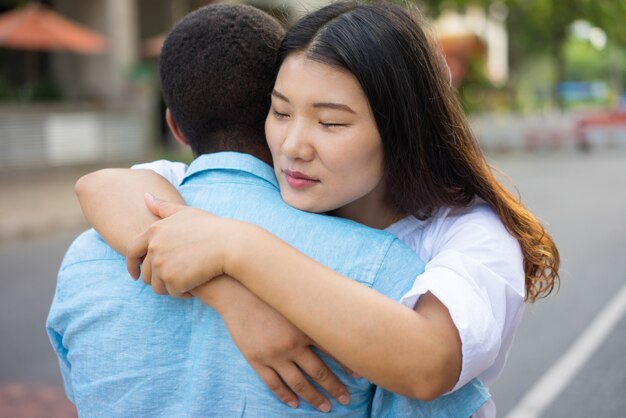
(582, 200)
(30, 382)
(27, 283)
(38, 201)
(599, 389)
(37, 208)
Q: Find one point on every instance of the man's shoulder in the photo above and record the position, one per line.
(353, 249)
(260, 203)
(88, 246)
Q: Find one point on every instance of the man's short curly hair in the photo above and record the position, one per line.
(217, 70)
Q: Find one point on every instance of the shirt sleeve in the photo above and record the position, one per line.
(172, 171)
(56, 340)
(397, 271)
(476, 271)
(55, 326)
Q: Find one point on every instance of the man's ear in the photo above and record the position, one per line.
(178, 135)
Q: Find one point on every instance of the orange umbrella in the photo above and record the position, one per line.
(457, 50)
(464, 45)
(37, 27)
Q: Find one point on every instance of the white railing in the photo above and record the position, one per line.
(56, 136)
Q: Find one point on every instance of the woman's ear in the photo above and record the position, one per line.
(178, 135)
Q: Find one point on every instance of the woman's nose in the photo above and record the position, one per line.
(297, 144)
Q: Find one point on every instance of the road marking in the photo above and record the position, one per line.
(552, 383)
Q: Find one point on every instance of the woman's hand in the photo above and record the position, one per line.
(183, 250)
(279, 352)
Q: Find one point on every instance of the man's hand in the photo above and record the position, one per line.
(183, 250)
(278, 351)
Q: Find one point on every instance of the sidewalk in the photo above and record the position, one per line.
(39, 201)
(24, 401)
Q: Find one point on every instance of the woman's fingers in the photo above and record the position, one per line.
(346, 368)
(146, 270)
(294, 378)
(158, 287)
(161, 208)
(276, 385)
(137, 250)
(316, 369)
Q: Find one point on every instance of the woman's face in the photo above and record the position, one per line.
(325, 144)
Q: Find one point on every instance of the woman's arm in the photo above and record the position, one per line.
(413, 353)
(112, 201)
(277, 350)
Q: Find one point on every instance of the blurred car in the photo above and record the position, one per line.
(602, 130)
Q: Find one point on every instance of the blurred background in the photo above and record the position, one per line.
(543, 86)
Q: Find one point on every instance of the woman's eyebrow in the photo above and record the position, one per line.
(336, 106)
(279, 96)
(327, 105)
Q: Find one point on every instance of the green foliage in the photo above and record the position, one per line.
(533, 84)
(540, 28)
(145, 71)
(584, 62)
(42, 90)
(174, 153)
(6, 92)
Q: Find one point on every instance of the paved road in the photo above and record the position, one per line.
(30, 383)
(582, 198)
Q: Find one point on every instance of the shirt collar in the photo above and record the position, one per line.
(231, 161)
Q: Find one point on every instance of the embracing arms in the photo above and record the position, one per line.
(112, 201)
(413, 353)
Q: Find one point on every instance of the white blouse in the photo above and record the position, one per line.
(473, 266)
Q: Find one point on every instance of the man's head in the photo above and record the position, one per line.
(217, 70)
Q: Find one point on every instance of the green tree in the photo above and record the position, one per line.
(541, 27)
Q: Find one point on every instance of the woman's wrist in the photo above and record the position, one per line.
(222, 294)
(241, 248)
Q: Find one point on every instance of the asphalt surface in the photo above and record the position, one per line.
(582, 200)
(30, 382)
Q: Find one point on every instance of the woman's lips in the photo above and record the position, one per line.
(298, 180)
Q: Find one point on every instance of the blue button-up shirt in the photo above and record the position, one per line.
(126, 352)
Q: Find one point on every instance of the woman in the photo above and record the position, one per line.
(364, 125)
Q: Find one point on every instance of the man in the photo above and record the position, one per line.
(125, 351)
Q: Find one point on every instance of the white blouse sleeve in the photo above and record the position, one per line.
(174, 172)
(476, 271)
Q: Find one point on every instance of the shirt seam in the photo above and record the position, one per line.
(381, 259)
(75, 263)
(249, 183)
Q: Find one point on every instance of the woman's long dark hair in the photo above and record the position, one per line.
(431, 157)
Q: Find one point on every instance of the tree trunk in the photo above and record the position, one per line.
(560, 37)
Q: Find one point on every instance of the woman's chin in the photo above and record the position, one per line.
(305, 205)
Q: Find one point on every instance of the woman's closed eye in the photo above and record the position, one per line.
(326, 124)
(279, 115)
